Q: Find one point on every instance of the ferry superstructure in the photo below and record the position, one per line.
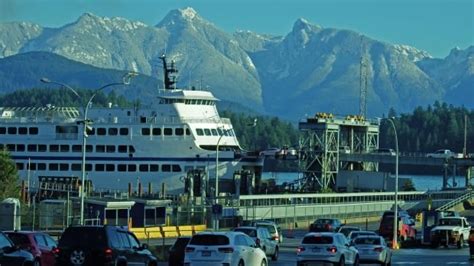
(156, 145)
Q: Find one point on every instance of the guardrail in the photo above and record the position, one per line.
(335, 198)
(460, 199)
(167, 231)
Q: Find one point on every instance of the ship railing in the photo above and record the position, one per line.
(343, 198)
(174, 120)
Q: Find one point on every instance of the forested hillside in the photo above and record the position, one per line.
(440, 126)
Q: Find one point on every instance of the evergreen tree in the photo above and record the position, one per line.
(9, 186)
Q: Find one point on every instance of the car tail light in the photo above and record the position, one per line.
(56, 251)
(328, 226)
(300, 249)
(378, 249)
(226, 250)
(275, 238)
(108, 253)
(332, 249)
(189, 249)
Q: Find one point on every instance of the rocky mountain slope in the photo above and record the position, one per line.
(311, 69)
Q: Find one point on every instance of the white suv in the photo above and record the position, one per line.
(326, 248)
(229, 248)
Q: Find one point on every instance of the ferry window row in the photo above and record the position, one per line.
(19, 130)
(68, 148)
(189, 101)
(100, 167)
(215, 132)
(100, 131)
(167, 131)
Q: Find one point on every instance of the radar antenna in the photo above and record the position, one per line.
(169, 73)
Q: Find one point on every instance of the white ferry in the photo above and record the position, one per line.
(156, 145)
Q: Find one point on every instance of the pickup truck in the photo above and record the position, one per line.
(445, 154)
(450, 231)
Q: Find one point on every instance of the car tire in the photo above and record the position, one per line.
(241, 263)
(121, 262)
(275, 255)
(342, 262)
(356, 261)
(153, 263)
(460, 243)
(37, 262)
(264, 263)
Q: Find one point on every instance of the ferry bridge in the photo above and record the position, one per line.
(321, 157)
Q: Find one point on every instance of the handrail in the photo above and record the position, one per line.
(331, 198)
(456, 201)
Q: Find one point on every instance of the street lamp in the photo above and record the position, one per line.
(216, 188)
(125, 81)
(395, 217)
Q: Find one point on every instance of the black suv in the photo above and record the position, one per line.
(101, 245)
(12, 256)
(325, 225)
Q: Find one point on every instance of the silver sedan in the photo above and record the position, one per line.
(373, 249)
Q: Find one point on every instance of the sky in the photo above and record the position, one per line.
(435, 26)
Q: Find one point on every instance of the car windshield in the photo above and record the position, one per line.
(19, 239)
(456, 222)
(367, 241)
(83, 236)
(346, 231)
(248, 231)
(209, 240)
(317, 240)
(355, 234)
(270, 227)
(324, 221)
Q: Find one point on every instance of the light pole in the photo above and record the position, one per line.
(395, 216)
(216, 188)
(125, 81)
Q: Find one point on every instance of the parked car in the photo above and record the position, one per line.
(11, 255)
(443, 153)
(325, 225)
(223, 248)
(406, 227)
(101, 245)
(346, 229)
(383, 151)
(352, 235)
(39, 244)
(177, 251)
(326, 247)
(271, 152)
(262, 238)
(373, 249)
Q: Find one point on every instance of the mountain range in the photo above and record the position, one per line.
(311, 69)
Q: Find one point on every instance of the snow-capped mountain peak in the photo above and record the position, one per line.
(411, 52)
(188, 13)
(302, 24)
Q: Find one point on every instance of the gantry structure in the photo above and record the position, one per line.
(323, 138)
